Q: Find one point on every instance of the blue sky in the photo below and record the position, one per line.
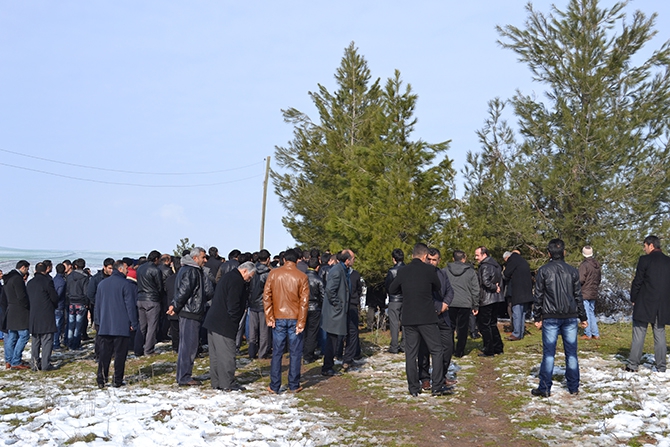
(197, 88)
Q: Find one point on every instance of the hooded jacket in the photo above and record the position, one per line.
(463, 279)
(76, 286)
(256, 287)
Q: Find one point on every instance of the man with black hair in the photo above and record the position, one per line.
(490, 297)
(16, 310)
(213, 263)
(104, 272)
(150, 292)
(229, 265)
(285, 301)
(352, 349)
(395, 302)
(651, 304)
(520, 283)
(259, 332)
(115, 316)
(60, 315)
(335, 308)
(463, 279)
(316, 294)
(558, 309)
(76, 286)
(417, 282)
(43, 301)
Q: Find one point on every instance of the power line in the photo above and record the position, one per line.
(129, 184)
(128, 172)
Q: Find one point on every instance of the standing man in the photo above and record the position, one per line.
(76, 286)
(150, 292)
(395, 302)
(192, 291)
(558, 309)
(259, 332)
(353, 344)
(222, 322)
(417, 282)
(115, 316)
(490, 297)
(651, 305)
(43, 301)
(16, 308)
(334, 311)
(463, 279)
(317, 290)
(519, 281)
(286, 300)
(442, 301)
(61, 319)
(590, 277)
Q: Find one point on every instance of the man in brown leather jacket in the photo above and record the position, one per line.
(286, 301)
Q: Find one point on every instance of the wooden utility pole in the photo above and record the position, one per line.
(265, 196)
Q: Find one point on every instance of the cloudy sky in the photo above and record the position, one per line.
(127, 125)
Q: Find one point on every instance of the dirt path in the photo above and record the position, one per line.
(471, 417)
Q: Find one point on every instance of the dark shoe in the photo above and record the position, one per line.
(20, 367)
(101, 386)
(537, 392)
(574, 393)
(627, 368)
(330, 373)
(235, 387)
(425, 384)
(415, 393)
(513, 338)
(119, 385)
(475, 335)
(482, 354)
(308, 360)
(190, 383)
(459, 355)
(391, 351)
(443, 391)
(450, 383)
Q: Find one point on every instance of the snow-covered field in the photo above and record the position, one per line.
(614, 407)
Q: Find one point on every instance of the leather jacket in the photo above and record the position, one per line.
(256, 287)
(558, 292)
(149, 282)
(317, 290)
(192, 290)
(490, 278)
(390, 276)
(286, 295)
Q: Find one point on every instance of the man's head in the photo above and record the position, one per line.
(234, 254)
(587, 251)
(397, 255)
(420, 251)
(121, 266)
(313, 263)
(107, 266)
(247, 270)
(305, 255)
(154, 256)
(23, 266)
(481, 253)
(199, 256)
(40, 268)
(49, 265)
(346, 257)
(60, 268)
(166, 259)
(556, 249)
(213, 252)
(79, 264)
(68, 266)
(433, 257)
(264, 257)
(651, 243)
(291, 255)
(460, 256)
(506, 255)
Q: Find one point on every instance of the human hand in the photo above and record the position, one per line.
(538, 324)
(583, 324)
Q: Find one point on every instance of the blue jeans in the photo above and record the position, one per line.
(519, 320)
(592, 329)
(60, 323)
(14, 344)
(567, 327)
(75, 326)
(283, 330)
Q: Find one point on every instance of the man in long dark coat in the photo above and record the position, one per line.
(16, 309)
(334, 310)
(43, 302)
(519, 281)
(116, 315)
(650, 294)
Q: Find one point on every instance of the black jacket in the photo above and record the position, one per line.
(558, 293)
(92, 287)
(76, 286)
(43, 301)
(416, 282)
(317, 290)
(225, 268)
(150, 285)
(15, 303)
(356, 288)
(490, 278)
(192, 290)
(445, 295)
(227, 305)
(650, 289)
(518, 278)
(390, 276)
(256, 286)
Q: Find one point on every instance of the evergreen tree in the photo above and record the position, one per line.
(354, 179)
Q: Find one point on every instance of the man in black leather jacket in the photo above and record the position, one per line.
(490, 297)
(317, 290)
(558, 308)
(395, 302)
(150, 292)
(192, 290)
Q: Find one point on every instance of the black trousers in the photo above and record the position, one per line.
(353, 344)
(329, 351)
(174, 334)
(430, 333)
(488, 326)
(311, 339)
(447, 343)
(109, 346)
(460, 318)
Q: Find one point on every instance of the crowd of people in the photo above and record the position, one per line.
(307, 303)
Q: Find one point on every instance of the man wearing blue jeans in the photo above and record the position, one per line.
(590, 276)
(286, 302)
(16, 307)
(558, 309)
